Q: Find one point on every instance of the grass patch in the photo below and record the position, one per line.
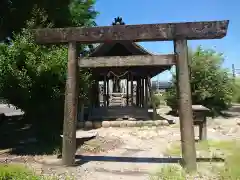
(231, 170)
(20, 172)
(16, 172)
(174, 150)
(169, 172)
(203, 146)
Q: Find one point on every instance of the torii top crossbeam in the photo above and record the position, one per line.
(143, 32)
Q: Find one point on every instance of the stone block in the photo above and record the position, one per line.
(80, 124)
(88, 125)
(149, 123)
(123, 124)
(131, 124)
(139, 123)
(97, 124)
(106, 124)
(115, 123)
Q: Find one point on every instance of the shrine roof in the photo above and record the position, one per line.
(119, 49)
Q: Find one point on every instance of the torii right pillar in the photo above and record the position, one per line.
(185, 105)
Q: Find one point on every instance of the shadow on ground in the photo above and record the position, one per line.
(17, 137)
(83, 159)
(141, 159)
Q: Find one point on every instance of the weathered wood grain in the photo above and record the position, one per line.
(120, 61)
(142, 32)
(70, 108)
(185, 105)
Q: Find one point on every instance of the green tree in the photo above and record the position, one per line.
(236, 96)
(32, 77)
(61, 13)
(210, 83)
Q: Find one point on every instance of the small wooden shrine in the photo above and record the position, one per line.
(126, 89)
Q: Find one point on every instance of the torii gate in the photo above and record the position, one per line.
(177, 32)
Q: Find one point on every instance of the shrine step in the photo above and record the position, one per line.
(117, 101)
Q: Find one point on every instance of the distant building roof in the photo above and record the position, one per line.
(161, 84)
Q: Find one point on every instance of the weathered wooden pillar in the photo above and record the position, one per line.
(104, 91)
(70, 108)
(97, 94)
(146, 93)
(137, 92)
(154, 117)
(140, 92)
(132, 89)
(127, 90)
(107, 92)
(185, 105)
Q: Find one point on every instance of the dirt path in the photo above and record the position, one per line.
(138, 143)
(141, 144)
(138, 148)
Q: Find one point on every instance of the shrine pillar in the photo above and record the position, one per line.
(127, 90)
(146, 93)
(131, 89)
(105, 91)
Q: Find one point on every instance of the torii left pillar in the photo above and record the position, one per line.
(70, 108)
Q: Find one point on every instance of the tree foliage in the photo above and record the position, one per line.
(211, 84)
(61, 13)
(236, 96)
(32, 77)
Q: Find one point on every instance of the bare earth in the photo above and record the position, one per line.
(142, 145)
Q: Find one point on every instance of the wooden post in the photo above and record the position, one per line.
(137, 93)
(70, 108)
(203, 130)
(131, 89)
(140, 92)
(97, 94)
(127, 90)
(151, 98)
(104, 91)
(107, 92)
(146, 93)
(185, 105)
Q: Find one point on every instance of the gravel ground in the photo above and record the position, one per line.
(140, 146)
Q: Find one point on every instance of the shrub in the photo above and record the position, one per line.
(236, 95)
(211, 84)
(32, 77)
(156, 100)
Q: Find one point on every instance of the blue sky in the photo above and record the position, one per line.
(159, 11)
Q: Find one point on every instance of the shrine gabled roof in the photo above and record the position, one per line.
(132, 47)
